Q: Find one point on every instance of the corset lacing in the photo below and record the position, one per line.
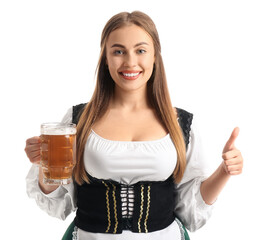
(127, 206)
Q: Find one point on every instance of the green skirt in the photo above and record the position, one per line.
(68, 234)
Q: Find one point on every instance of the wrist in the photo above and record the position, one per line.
(46, 189)
(223, 172)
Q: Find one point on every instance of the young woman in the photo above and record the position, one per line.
(140, 171)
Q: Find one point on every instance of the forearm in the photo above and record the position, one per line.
(212, 186)
(44, 187)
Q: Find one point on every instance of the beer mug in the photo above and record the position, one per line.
(58, 152)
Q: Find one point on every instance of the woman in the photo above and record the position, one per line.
(140, 170)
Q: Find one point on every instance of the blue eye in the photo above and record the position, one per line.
(141, 51)
(118, 52)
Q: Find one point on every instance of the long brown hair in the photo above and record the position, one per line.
(157, 91)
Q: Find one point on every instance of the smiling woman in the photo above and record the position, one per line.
(130, 55)
(140, 170)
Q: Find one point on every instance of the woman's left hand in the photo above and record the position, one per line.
(232, 158)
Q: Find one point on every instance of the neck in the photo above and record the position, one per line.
(130, 100)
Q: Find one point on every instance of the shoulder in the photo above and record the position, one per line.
(183, 115)
(78, 107)
(185, 119)
(77, 111)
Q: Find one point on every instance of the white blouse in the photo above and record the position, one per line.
(128, 162)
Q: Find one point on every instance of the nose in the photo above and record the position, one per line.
(130, 60)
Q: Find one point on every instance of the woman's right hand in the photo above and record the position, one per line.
(32, 149)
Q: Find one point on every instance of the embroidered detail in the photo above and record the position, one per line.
(107, 206)
(147, 212)
(74, 233)
(141, 207)
(115, 212)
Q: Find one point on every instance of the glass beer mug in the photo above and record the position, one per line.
(58, 152)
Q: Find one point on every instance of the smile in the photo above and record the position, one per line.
(130, 75)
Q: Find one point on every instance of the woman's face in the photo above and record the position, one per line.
(130, 57)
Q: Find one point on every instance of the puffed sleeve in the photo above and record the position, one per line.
(59, 203)
(190, 207)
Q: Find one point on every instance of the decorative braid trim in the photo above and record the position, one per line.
(107, 206)
(141, 207)
(147, 212)
(115, 211)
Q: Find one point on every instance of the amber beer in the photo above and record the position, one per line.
(58, 152)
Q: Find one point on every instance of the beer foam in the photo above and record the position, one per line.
(58, 129)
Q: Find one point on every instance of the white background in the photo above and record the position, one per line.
(214, 57)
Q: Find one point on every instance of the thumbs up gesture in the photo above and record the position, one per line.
(232, 158)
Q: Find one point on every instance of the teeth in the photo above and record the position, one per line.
(130, 74)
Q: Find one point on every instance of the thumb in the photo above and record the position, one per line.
(230, 144)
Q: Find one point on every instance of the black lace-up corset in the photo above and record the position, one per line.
(106, 206)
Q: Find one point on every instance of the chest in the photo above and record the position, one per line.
(140, 126)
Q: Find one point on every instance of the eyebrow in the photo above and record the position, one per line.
(122, 46)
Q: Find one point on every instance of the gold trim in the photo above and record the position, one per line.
(141, 207)
(107, 206)
(114, 198)
(147, 212)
